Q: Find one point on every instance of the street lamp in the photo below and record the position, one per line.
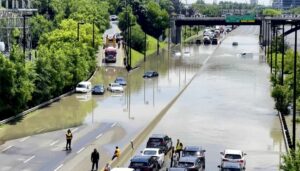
(80, 22)
(24, 32)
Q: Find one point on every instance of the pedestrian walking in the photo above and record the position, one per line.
(179, 148)
(117, 153)
(107, 167)
(69, 137)
(95, 159)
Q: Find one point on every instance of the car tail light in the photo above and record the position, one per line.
(241, 161)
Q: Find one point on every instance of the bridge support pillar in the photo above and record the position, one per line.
(178, 35)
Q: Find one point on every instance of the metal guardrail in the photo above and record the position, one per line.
(285, 132)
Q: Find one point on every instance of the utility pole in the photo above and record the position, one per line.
(295, 91)
(282, 57)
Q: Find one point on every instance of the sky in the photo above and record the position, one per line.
(262, 2)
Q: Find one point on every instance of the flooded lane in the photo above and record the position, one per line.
(228, 105)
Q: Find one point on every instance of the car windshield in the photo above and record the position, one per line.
(137, 164)
(148, 73)
(149, 152)
(120, 79)
(185, 164)
(190, 153)
(81, 86)
(233, 156)
(115, 85)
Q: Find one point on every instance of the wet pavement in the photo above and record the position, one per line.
(227, 105)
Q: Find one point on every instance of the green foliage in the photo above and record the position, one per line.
(271, 12)
(38, 26)
(16, 83)
(291, 161)
(295, 10)
(123, 20)
(137, 38)
(208, 9)
(282, 98)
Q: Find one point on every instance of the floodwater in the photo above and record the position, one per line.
(228, 106)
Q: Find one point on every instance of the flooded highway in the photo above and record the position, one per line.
(227, 105)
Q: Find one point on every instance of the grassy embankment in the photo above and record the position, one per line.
(137, 57)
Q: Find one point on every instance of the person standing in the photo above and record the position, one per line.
(69, 137)
(179, 147)
(95, 159)
(117, 153)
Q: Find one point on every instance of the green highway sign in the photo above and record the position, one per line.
(240, 19)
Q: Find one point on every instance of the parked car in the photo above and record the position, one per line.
(144, 163)
(121, 81)
(83, 87)
(161, 141)
(230, 166)
(190, 163)
(160, 156)
(115, 87)
(194, 151)
(98, 89)
(150, 74)
(235, 43)
(233, 156)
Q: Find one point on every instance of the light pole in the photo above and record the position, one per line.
(24, 32)
(282, 57)
(276, 30)
(294, 91)
(80, 22)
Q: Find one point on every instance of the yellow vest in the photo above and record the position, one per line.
(118, 152)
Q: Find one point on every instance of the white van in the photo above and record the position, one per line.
(83, 87)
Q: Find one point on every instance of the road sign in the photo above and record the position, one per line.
(240, 19)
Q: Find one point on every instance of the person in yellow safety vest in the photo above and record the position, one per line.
(69, 137)
(179, 147)
(117, 153)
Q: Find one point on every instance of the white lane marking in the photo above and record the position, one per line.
(54, 142)
(114, 124)
(75, 129)
(29, 159)
(7, 148)
(99, 136)
(58, 167)
(80, 150)
(23, 139)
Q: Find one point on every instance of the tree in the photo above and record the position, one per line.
(291, 161)
(271, 12)
(282, 98)
(123, 25)
(38, 26)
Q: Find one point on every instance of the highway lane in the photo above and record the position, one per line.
(228, 105)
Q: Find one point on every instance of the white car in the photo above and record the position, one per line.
(83, 87)
(233, 156)
(115, 87)
(155, 152)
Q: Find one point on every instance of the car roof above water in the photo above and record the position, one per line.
(188, 159)
(140, 158)
(193, 148)
(158, 135)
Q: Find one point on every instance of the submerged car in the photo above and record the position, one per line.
(115, 87)
(150, 74)
(121, 81)
(98, 89)
(235, 43)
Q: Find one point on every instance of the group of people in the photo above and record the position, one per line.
(95, 156)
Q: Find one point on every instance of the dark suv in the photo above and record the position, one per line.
(144, 163)
(161, 141)
(194, 151)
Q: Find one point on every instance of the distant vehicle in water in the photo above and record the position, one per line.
(214, 41)
(121, 81)
(115, 87)
(144, 163)
(150, 74)
(161, 141)
(195, 151)
(113, 18)
(233, 156)
(235, 43)
(98, 89)
(83, 87)
(110, 54)
(190, 163)
(160, 156)
(206, 40)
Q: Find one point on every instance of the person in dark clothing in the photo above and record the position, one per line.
(95, 159)
(69, 137)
